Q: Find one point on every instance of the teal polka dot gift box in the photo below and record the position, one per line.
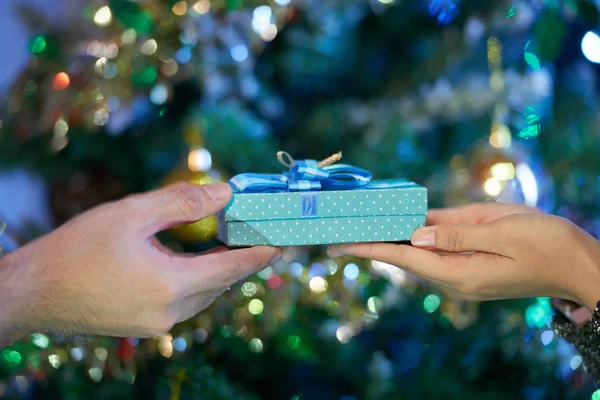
(320, 203)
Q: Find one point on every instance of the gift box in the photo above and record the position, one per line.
(316, 204)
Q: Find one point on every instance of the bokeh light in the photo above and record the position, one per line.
(61, 81)
(103, 16)
(249, 289)
(255, 306)
(492, 187)
(318, 284)
(590, 46)
(431, 303)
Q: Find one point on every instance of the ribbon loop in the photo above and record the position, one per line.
(303, 176)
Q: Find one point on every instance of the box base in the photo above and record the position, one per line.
(320, 231)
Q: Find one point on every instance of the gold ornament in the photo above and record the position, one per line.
(202, 230)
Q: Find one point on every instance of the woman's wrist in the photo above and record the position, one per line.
(586, 274)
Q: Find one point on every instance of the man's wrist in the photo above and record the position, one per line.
(13, 303)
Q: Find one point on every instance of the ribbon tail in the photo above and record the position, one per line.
(259, 183)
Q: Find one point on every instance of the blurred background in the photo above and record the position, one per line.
(474, 99)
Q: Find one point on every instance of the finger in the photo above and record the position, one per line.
(216, 250)
(476, 213)
(171, 253)
(459, 238)
(458, 215)
(181, 203)
(423, 263)
(213, 271)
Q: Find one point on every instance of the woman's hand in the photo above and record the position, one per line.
(513, 252)
(105, 273)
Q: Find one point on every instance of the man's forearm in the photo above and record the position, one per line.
(13, 304)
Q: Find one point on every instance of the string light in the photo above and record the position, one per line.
(202, 6)
(101, 353)
(492, 187)
(159, 94)
(503, 171)
(256, 307)
(95, 374)
(180, 344)
(431, 303)
(61, 81)
(255, 345)
(149, 47)
(180, 8)
(343, 334)
(129, 36)
(165, 345)
(590, 46)
(54, 360)
(200, 160)
(103, 16)
(76, 353)
(269, 33)
(101, 117)
(293, 342)
(249, 289)
(500, 137)
(374, 304)
(351, 271)
(41, 341)
(318, 284)
(575, 362)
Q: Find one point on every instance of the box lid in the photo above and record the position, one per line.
(404, 198)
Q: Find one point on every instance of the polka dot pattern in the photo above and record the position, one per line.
(410, 200)
(331, 217)
(321, 231)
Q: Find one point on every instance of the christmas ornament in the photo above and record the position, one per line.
(205, 229)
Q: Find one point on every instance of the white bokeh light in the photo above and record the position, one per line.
(590, 46)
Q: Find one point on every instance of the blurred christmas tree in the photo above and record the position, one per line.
(476, 100)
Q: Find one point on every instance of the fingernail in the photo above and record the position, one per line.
(218, 191)
(335, 251)
(423, 238)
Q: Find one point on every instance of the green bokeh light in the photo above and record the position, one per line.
(293, 342)
(11, 357)
(256, 345)
(37, 45)
(537, 314)
(431, 303)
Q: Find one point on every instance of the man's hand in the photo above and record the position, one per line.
(105, 273)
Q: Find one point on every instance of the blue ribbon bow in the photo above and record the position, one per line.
(303, 176)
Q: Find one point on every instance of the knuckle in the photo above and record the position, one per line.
(130, 204)
(456, 239)
(188, 200)
(235, 272)
(398, 256)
